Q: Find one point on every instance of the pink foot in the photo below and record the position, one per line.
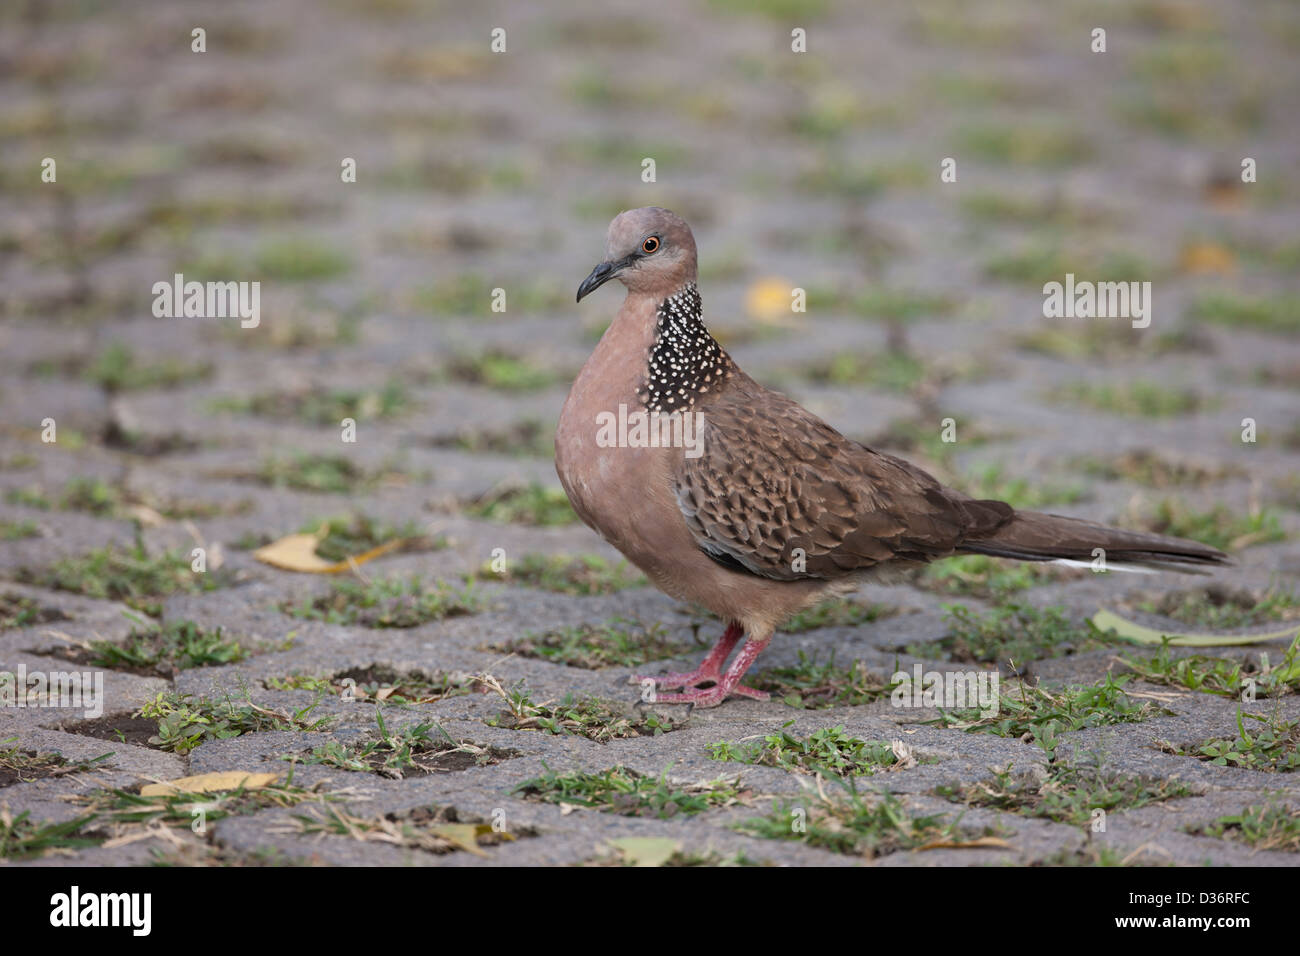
(712, 696)
(726, 684)
(710, 669)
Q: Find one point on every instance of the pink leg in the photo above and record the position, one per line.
(710, 669)
(727, 684)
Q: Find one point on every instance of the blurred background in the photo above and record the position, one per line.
(478, 171)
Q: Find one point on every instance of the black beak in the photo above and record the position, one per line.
(599, 276)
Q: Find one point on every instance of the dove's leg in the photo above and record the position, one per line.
(728, 684)
(710, 668)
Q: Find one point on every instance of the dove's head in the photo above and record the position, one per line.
(650, 250)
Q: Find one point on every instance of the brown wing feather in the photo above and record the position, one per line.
(774, 478)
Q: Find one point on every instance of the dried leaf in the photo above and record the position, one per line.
(210, 782)
(146, 516)
(1105, 620)
(464, 836)
(297, 552)
(981, 842)
(646, 851)
(769, 301)
(1202, 258)
(904, 758)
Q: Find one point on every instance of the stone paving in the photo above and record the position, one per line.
(479, 171)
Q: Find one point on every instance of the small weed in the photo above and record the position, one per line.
(24, 766)
(1153, 471)
(1030, 144)
(185, 722)
(1279, 315)
(321, 406)
(19, 611)
(1219, 607)
(977, 575)
(171, 646)
(22, 838)
(1221, 675)
(1272, 748)
(617, 642)
(1010, 632)
(629, 793)
(298, 260)
(853, 824)
(112, 500)
(503, 371)
(29, 497)
(893, 371)
(1106, 342)
(534, 504)
(589, 717)
(125, 815)
(1069, 793)
(116, 369)
(813, 686)
(128, 575)
(1133, 398)
(1219, 527)
(382, 685)
(991, 482)
(332, 474)
(349, 535)
(1261, 827)
(584, 574)
(435, 830)
(914, 436)
(829, 752)
(1053, 209)
(529, 438)
(1038, 714)
(412, 750)
(1048, 261)
(470, 295)
(838, 612)
(388, 602)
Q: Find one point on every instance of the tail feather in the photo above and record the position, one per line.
(1032, 536)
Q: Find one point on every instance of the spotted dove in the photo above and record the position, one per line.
(779, 511)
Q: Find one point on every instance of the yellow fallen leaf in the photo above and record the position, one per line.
(769, 301)
(1105, 620)
(646, 851)
(1202, 258)
(1224, 192)
(297, 552)
(210, 782)
(981, 842)
(465, 835)
(146, 516)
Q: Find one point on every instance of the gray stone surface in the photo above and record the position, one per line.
(502, 171)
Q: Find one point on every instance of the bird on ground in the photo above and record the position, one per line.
(735, 498)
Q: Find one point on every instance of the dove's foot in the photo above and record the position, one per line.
(711, 696)
(727, 684)
(710, 669)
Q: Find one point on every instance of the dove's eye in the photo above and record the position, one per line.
(650, 245)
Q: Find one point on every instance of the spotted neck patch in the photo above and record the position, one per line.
(685, 362)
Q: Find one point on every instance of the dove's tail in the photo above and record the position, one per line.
(1031, 536)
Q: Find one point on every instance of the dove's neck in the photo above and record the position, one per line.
(685, 362)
